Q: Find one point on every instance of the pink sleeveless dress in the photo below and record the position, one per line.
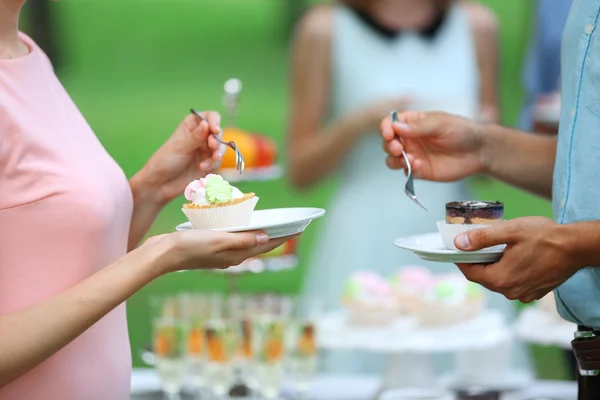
(65, 211)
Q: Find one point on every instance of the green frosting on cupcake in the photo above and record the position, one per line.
(473, 290)
(444, 290)
(352, 289)
(218, 190)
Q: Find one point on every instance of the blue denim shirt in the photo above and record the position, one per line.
(576, 190)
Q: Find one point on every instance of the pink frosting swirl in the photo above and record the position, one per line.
(194, 187)
(373, 283)
(198, 185)
(418, 278)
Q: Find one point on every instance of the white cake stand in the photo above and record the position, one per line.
(538, 326)
(481, 347)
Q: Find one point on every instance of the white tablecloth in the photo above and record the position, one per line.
(146, 385)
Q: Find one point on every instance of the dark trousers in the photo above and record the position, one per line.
(587, 355)
(588, 387)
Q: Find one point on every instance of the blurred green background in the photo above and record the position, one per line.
(136, 67)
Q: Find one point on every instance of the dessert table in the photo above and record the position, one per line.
(146, 386)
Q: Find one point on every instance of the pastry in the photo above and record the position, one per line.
(474, 212)
(463, 216)
(369, 299)
(215, 204)
(409, 284)
(452, 299)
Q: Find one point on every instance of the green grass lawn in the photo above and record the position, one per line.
(136, 67)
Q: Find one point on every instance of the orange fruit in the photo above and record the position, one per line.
(244, 142)
(266, 151)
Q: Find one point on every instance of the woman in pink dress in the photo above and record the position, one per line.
(70, 223)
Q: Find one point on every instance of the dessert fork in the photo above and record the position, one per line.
(239, 158)
(409, 188)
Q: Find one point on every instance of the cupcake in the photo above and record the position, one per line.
(215, 204)
(369, 299)
(463, 216)
(452, 299)
(409, 284)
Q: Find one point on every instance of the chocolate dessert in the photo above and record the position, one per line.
(474, 212)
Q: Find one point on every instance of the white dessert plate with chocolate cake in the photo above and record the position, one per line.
(461, 216)
(430, 247)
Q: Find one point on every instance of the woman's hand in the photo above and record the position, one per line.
(190, 153)
(205, 249)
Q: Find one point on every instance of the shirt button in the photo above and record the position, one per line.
(572, 114)
(562, 203)
(589, 28)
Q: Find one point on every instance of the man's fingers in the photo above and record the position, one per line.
(395, 162)
(386, 129)
(415, 125)
(477, 273)
(478, 239)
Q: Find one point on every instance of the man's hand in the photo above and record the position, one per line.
(537, 258)
(440, 147)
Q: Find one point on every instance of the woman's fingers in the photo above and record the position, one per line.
(213, 119)
(238, 241)
(240, 255)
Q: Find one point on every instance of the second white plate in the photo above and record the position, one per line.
(430, 247)
(276, 222)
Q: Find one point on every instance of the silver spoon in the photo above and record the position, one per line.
(409, 189)
(239, 158)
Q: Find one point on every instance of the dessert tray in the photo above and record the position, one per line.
(480, 347)
(536, 325)
(405, 335)
(430, 247)
(276, 222)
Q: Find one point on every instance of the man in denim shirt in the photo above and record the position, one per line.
(541, 254)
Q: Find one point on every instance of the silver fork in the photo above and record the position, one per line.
(409, 188)
(239, 158)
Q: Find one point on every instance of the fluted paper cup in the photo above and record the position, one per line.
(222, 217)
(451, 231)
(439, 314)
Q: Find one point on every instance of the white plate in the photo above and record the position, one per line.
(430, 247)
(276, 222)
